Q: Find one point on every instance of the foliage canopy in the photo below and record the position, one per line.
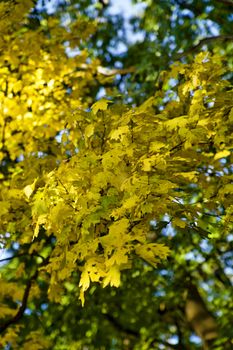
(99, 192)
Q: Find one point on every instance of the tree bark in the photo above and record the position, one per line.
(199, 317)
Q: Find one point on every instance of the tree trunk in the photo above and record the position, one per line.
(201, 320)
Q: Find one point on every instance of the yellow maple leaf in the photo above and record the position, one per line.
(179, 223)
(222, 154)
(89, 131)
(119, 227)
(100, 105)
(119, 257)
(146, 164)
(113, 277)
(4, 207)
(122, 130)
(81, 297)
(156, 146)
(84, 282)
(28, 190)
(152, 252)
(40, 221)
(131, 202)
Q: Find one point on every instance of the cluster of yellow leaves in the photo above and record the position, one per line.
(94, 180)
(11, 337)
(12, 14)
(34, 340)
(129, 165)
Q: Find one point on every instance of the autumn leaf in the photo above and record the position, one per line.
(100, 105)
(113, 277)
(28, 190)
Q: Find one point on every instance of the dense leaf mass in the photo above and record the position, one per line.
(99, 193)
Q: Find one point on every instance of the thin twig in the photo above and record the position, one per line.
(203, 42)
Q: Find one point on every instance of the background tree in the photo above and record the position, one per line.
(86, 193)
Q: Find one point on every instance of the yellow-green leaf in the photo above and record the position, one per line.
(113, 277)
(222, 154)
(100, 105)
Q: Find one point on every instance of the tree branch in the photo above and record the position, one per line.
(19, 314)
(203, 42)
(136, 334)
(22, 254)
(11, 257)
(23, 306)
(226, 2)
(155, 343)
(119, 326)
(180, 344)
